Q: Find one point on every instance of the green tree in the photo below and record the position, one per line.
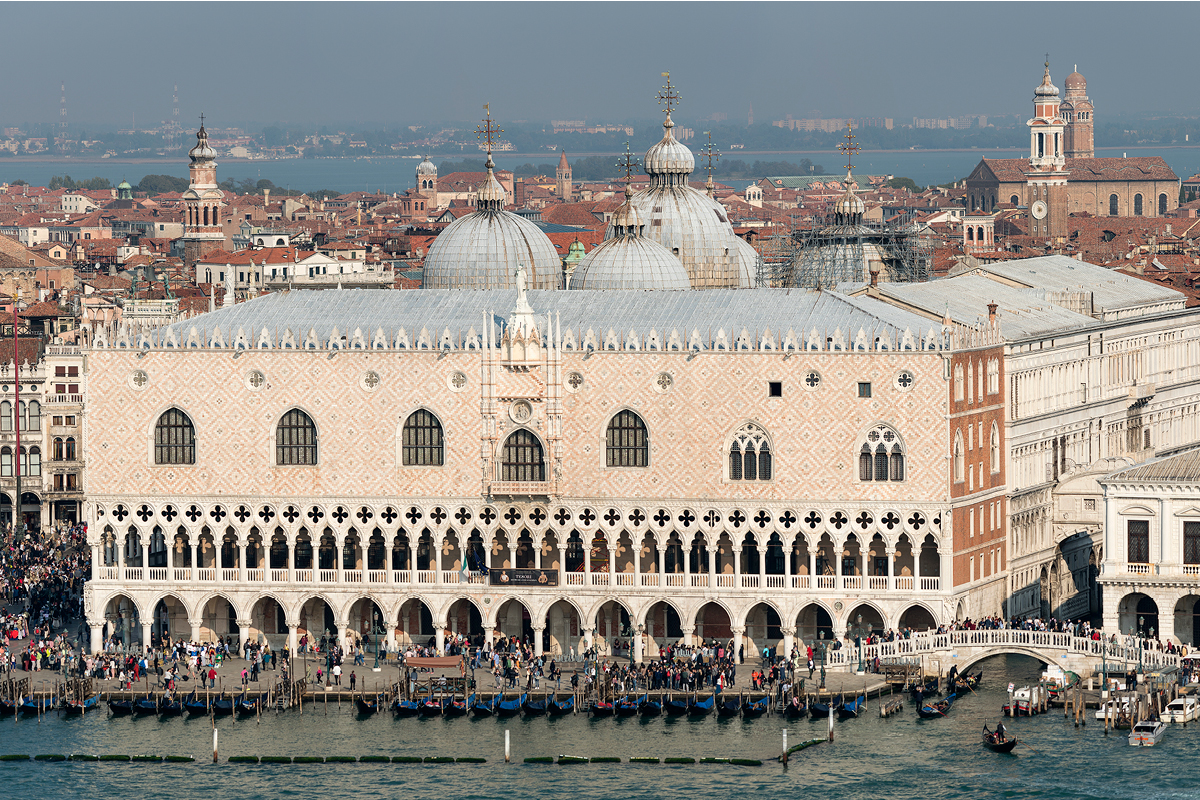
(161, 184)
(904, 183)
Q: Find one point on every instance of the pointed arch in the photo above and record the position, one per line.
(174, 438)
(626, 440)
(750, 454)
(994, 448)
(522, 457)
(960, 469)
(295, 439)
(881, 455)
(422, 441)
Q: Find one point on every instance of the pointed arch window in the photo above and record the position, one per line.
(6, 416)
(959, 458)
(881, 455)
(995, 448)
(521, 458)
(174, 439)
(959, 386)
(750, 455)
(296, 440)
(626, 441)
(422, 443)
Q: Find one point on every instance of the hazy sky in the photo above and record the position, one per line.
(410, 63)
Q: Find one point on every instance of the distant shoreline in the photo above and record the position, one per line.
(25, 159)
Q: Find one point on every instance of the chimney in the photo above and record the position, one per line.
(992, 312)
(874, 270)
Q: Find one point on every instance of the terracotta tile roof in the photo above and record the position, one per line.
(578, 214)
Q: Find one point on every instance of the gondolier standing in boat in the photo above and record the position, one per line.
(1000, 732)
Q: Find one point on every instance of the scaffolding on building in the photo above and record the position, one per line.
(826, 254)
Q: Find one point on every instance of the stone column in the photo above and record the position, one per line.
(787, 564)
(812, 568)
(789, 641)
(95, 561)
(537, 639)
(194, 546)
(343, 626)
(243, 632)
(737, 566)
(612, 563)
(662, 566)
(587, 559)
(762, 567)
(97, 635)
(586, 640)
(689, 634)
(891, 562)
(637, 561)
(739, 640)
(637, 644)
(147, 634)
(145, 554)
(293, 641)
(242, 546)
(712, 566)
(340, 542)
(291, 558)
(440, 633)
(195, 623)
(537, 551)
(488, 635)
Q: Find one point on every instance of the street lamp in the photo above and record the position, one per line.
(821, 652)
(856, 632)
(1141, 623)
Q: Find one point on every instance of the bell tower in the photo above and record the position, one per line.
(1046, 193)
(1076, 112)
(563, 178)
(202, 203)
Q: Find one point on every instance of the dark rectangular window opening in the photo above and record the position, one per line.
(775, 389)
(1139, 541)
(864, 389)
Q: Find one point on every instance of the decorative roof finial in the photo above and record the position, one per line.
(850, 149)
(487, 130)
(711, 153)
(628, 163)
(668, 96)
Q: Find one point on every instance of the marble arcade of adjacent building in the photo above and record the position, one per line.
(690, 465)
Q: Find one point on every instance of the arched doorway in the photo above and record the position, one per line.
(414, 624)
(663, 628)
(464, 619)
(122, 620)
(866, 617)
(763, 628)
(812, 621)
(1137, 613)
(513, 621)
(712, 624)
(1187, 620)
(562, 628)
(917, 618)
(613, 629)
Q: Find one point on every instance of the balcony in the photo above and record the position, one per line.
(1138, 569)
(520, 488)
(654, 582)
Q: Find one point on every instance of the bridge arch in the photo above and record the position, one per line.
(1011, 650)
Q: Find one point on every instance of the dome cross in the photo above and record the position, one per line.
(710, 153)
(488, 129)
(629, 163)
(850, 149)
(668, 95)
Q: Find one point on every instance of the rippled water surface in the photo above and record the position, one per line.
(899, 757)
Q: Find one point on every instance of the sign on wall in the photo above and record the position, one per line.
(523, 577)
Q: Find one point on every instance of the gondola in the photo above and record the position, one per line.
(601, 709)
(729, 708)
(991, 740)
(246, 706)
(534, 708)
(936, 710)
(795, 709)
(510, 708)
(822, 710)
(752, 709)
(483, 708)
(700, 708)
(120, 708)
(853, 709)
(923, 690)
(968, 681)
(144, 706)
(675, 708)
(648, 707)
(31, 706)
(454, 708)
(222, 707)
(7, 708)
(430, 707)
(194, 705)
(72, 707)
(626, 707)
(556, 707)
(367, 705)
(169, 707)
(406, 708)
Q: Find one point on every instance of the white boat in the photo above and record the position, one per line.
(1181, 709)
(1147, 733)
(1115, 707)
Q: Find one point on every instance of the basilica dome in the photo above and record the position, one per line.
(484, 249)
(629, 260)
(426, 167)
(1075, 82)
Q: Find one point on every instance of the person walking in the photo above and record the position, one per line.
(353, 678)
(337, 674)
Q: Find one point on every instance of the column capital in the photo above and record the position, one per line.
(244, 624)
(788, 631)
(737, 630)
(538, 627)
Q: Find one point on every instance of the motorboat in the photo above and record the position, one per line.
(1025, 700)
(1113, 708)
(1147, 733)
(1181, 709)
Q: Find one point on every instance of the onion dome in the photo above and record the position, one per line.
(124, 185)
(849, 208)
(1046, 89)
(748, 261)
(491, 194)
(426, 168)
(669, 158)
(202, 152)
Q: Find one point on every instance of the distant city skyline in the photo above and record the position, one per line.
(356, 65)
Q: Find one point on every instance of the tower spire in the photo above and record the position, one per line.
(710, 153)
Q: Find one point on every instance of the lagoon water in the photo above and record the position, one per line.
(900, 757)
(396, 174)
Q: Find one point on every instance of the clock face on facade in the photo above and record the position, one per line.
(1038, 209)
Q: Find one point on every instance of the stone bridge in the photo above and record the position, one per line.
(964, 649)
